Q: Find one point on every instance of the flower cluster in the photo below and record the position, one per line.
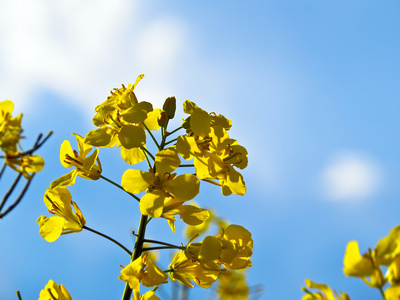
(10, 135)
(162, 190)
(368, 266)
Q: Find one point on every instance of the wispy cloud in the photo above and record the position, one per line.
(75, 47)
(351, 176)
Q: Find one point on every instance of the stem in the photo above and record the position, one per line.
(108, 238)
(19, 295)
(18, 200)
(36, 146)
(152, 136)
(2, 169)
(162, 247)
(136, 253)
(9, 192)
(161, 243)
(171, 141)
(185, 165)
(148, 153)
(173, 131)
(120, 187)
(382, 293)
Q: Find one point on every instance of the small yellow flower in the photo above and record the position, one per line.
(186, 270)
(26, 165)
(232, 286)
(160, 184)
(145, 271)
(10, 127)
(84, 166)
(325, 292)
(59, 202)
(53, 291)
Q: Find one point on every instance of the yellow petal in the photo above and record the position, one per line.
(167, 161)
(131, 136)
(185, 186)
(200, 122)
(152, 119)
(137, 113)
(135, 181)
(152, 204)
(355, 264)
(50, 228)
(132, 156)
(65, 180)
(99, 137)
(65, 150)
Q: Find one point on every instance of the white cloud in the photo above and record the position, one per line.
(81, 50)
(351, 176)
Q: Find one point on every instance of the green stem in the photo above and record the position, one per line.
(152, 136)
(120, 187)
(108, 238)
(173, 131)
(171, 141)
(185, 166)
(136, 253)
(382, 293)
(161, 243)
(162, 247)
(19, 295)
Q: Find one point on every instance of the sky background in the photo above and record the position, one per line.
(312, 88)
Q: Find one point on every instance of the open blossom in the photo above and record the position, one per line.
(232, 248)
(215, 154)
(84, 166)
(190, 214)
(10, 127)
(142, 270)
(26, 164)
(324, 294)
(54, 291)
(59, 202)
(186, 270)
(160, 183)
(120, 120)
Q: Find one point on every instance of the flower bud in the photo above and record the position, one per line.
(170, 107)
(163, 120)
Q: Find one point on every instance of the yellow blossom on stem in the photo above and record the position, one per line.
(59, 202)
(10, 127)
(84, 166)
(186, 270)
(325, 292)
(232, 286)
(190, 214)
(53, 291)
(26, 165)
(142, 270)
(160, 183)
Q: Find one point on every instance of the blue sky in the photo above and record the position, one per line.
(311, 87)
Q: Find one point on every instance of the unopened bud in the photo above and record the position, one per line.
(163, 120)
(170, 107)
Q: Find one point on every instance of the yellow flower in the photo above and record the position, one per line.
(25, 164)
(10, 127)
(215, 154)
(59, 202)
(190, 214)
(392, 292)
(142, 270)
(237, 245)
(232, 286)
(53, 291)
(85, 166)
(325, 292)
(160, 183)
(186, 270)
(150, 295)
